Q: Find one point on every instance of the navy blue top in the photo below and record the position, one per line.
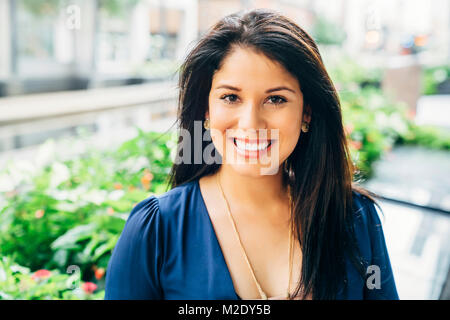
(168, 249)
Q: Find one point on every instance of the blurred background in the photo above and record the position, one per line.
(88, 98)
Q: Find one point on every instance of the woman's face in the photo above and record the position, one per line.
(255, 98)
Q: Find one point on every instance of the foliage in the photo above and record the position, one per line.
(17, 282)
(41, 8)
(72, 212)
(117, 8)
(429, 136)
(348, 74)
(433, 77)
(374, 123)
(113, 8)
(326, 32)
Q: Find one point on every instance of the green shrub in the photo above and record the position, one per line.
(429, 136)
(18, 283)
(373, 121)
(373, 124)
(327, 32)
(433, 77)
(72, 212)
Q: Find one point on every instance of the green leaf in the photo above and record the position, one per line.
(74, 235)
(60, 257)
(91, 245)
(105, 247)
(66, 206)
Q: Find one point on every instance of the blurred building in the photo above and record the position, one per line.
(211, 11)
(59, 45)
(67, 45)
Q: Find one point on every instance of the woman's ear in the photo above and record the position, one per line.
(207, 115)
(307, 113)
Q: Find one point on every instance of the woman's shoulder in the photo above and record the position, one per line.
(144, 244)
(370, 236)
(181, 191)
(367, 224)
(364, 209)
(157, 214)
(177, 198)
(167, 203)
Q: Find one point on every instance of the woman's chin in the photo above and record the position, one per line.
(253, 170)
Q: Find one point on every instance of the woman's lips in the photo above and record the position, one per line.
(246, 140)
(253, 153)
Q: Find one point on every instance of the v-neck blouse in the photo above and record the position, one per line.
(168, 250)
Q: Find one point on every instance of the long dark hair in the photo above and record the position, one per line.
(319, 170)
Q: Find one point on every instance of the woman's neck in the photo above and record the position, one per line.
(256, 195)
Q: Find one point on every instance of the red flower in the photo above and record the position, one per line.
(349, 128)
(146, 179)
(39, 213)
(41, 274)
(89, 287)
(99, 273)
(356, 144)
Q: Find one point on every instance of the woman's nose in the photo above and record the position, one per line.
(251, 118)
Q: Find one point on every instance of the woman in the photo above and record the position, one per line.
(233, 228)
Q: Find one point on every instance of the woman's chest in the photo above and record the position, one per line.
(258, 258)
(209, 264)
(256, 252)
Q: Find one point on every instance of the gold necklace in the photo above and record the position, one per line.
(261, 292)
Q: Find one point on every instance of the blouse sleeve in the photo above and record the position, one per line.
(380, 284)
(134, 267)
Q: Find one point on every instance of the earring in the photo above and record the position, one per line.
(206, 124)
(305, 126)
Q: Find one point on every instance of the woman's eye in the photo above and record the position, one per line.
(232, 96)
(277, 100)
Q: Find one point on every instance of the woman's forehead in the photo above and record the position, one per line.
(250, 60)
(244, 67)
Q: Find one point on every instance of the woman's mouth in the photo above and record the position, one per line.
(252, 148)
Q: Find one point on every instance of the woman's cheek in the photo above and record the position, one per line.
(218, 133)
(290, 137)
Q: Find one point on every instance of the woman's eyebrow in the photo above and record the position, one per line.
(225, 86)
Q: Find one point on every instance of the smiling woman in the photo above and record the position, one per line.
(230, 230)
(255, 82)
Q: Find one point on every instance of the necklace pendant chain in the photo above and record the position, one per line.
(261, 292)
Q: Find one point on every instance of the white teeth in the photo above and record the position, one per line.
(251, 146)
